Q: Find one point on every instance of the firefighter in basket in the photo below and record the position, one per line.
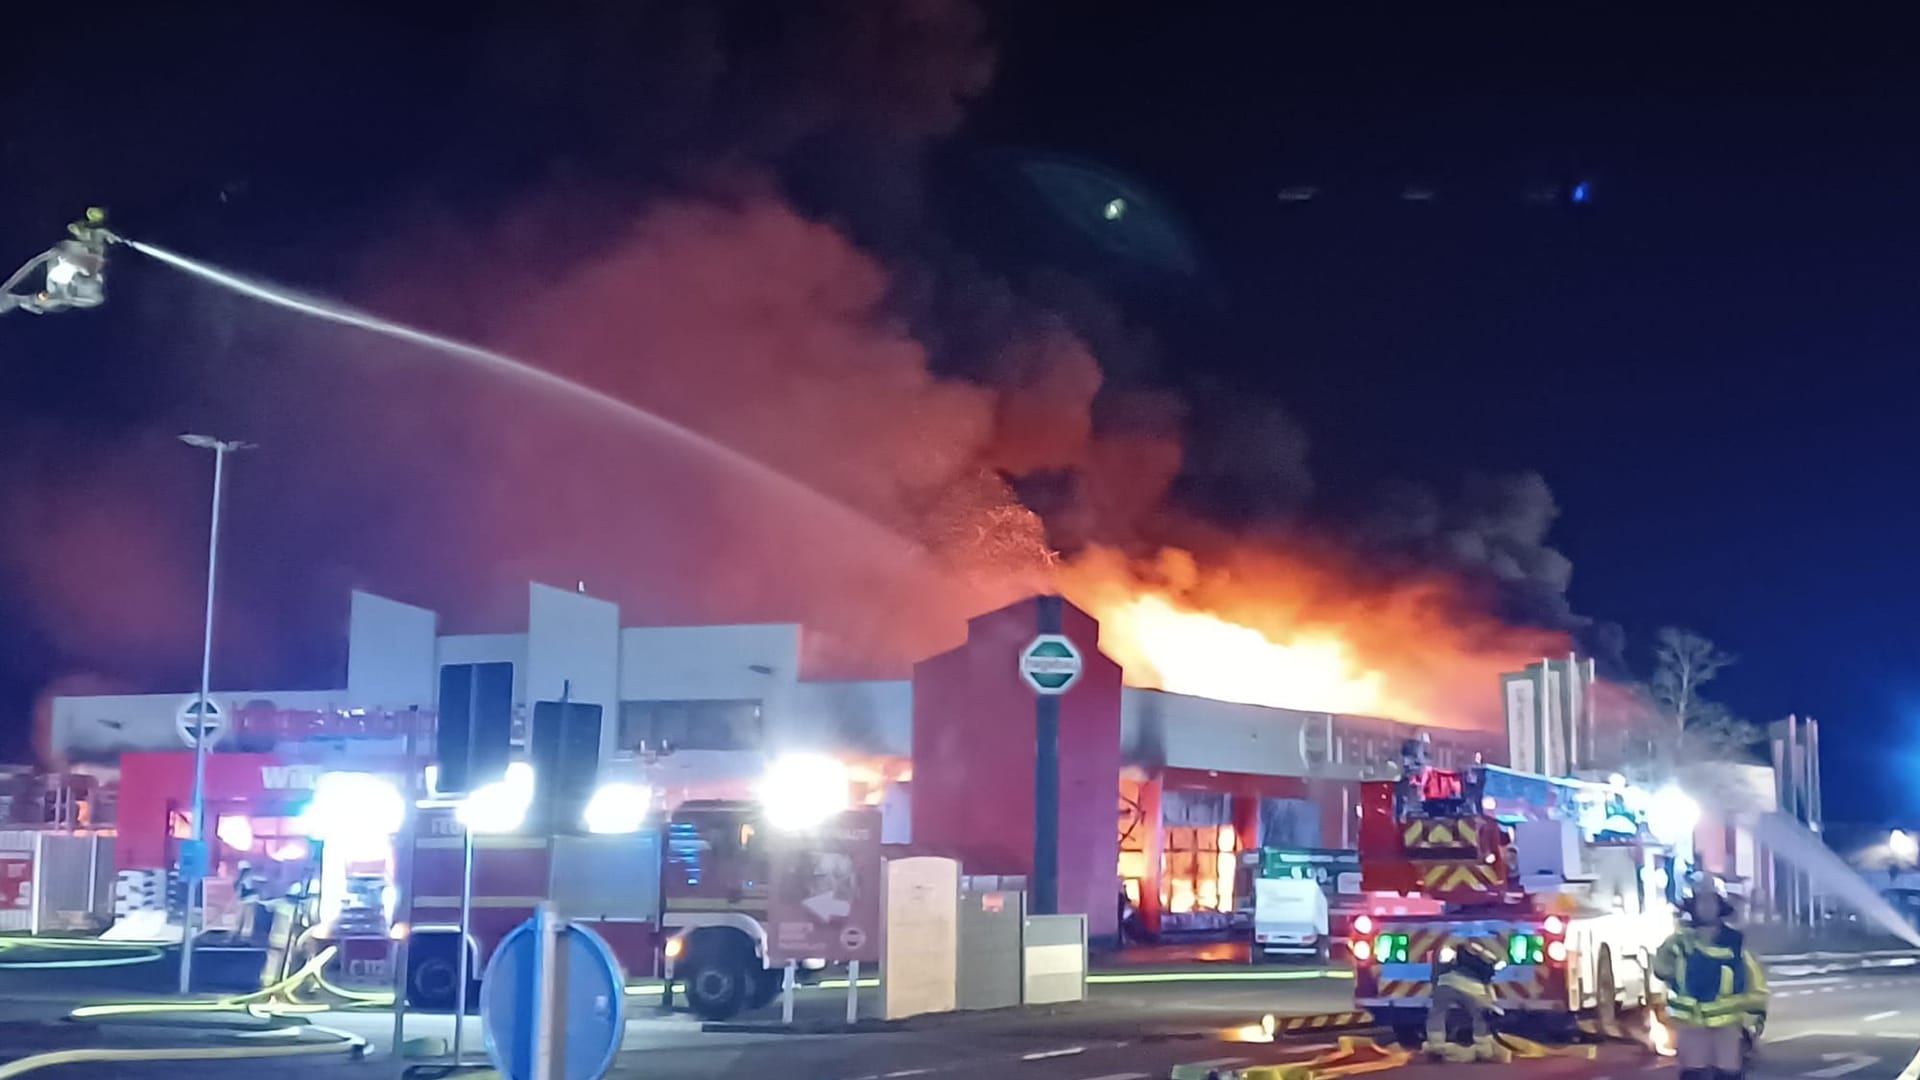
(1466, 985)
(1716, 989)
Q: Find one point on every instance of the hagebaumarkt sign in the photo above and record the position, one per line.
(1050, 664)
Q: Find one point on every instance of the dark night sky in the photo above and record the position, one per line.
(1709, 362)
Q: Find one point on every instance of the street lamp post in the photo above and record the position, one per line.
(196, 873)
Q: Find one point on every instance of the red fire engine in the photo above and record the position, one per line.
(687, 899)
(1558, 877)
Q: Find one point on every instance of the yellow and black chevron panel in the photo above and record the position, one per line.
(1455, 875)
(1404, 988)
(1441, 833)
(1325, 1021)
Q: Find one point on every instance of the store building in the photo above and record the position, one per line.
(1155, 795)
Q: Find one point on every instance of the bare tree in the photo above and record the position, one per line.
(1684, 662)
(1685, 723)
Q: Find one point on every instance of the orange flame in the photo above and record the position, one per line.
(1279, 630)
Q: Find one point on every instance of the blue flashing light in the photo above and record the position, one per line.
(1582, 191)
(683, 846)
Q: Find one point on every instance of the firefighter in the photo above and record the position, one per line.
(1716, 989)
(1467, 985)
(74, 270)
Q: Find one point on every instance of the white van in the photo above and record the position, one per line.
(1289, 919)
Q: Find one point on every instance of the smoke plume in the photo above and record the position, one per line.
(729, 226)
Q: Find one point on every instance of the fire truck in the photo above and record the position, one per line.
(1559, 877)
(686, 899)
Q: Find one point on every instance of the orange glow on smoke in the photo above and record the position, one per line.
(1268, 629)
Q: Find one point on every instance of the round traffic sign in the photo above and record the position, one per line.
(593, 1003)
(852, 938)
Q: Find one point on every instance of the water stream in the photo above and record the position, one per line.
(890, 543)
(1831, 875)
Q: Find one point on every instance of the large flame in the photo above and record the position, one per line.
(1267, 629)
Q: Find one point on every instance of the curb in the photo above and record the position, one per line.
(803, 1027)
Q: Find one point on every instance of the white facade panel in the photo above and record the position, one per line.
(100, 727)
(390, 654)
(708, 663)
(573, 652)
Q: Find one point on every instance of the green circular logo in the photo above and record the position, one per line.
(1050, 664)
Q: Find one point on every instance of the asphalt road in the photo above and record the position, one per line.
(1832, 1020)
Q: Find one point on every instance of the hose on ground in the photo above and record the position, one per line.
(278, 999)
(341, 1044)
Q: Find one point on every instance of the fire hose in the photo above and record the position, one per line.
(132, 952)
(277, 1001)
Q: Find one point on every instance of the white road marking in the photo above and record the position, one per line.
(1875, 1017)
(1848, 1063)
(1042, 1055)
(1120, 1076)
(904, 1072)
(1912, 1071)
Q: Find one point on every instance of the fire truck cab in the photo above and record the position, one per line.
(1560, 878)
(686, 899)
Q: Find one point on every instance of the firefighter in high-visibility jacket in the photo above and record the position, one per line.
(1467, 986)
(1716, 989)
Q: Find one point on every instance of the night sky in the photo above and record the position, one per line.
(1708, 361)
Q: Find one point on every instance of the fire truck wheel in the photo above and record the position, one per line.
(719, 973)
(1409, 1026)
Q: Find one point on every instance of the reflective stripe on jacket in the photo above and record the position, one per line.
(1474, 989)
(1710, 983)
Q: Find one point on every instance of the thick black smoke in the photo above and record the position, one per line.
(760, 221)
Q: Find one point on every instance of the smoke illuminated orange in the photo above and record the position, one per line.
(1268, 629)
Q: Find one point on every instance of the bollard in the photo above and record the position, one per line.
(786, 995)
(853, 991)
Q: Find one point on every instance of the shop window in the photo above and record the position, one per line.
(1133, 838)
(1199, 866)
(690, 725)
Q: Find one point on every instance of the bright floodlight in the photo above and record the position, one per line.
(617, 807)
(501, 806)
(1672, 815)
(354, 806)
(800, 791)
(1904, 847)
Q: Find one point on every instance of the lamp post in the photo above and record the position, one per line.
(194, 869)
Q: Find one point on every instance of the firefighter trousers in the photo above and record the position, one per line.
(1445, 1000)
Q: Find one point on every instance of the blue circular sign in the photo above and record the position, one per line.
(594, 1005)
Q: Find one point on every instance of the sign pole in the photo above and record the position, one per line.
(853, 991)
(548, 1010)
(466, 930)
(786, 994)
(403, 905)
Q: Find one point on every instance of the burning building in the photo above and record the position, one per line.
(1157, 794)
